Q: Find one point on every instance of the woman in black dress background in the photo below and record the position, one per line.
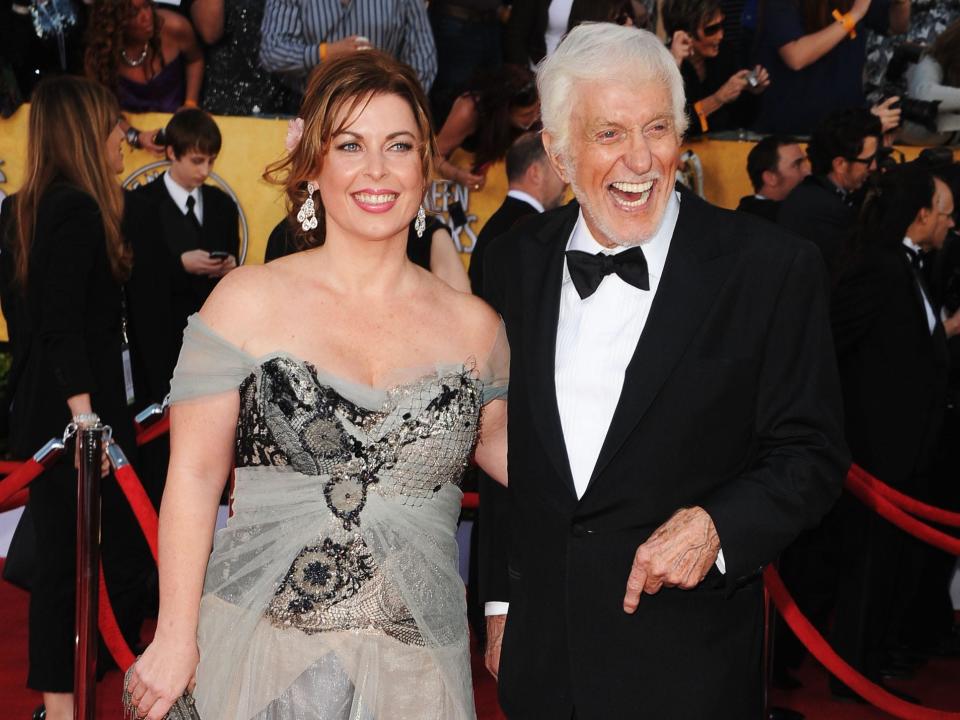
(61, 267)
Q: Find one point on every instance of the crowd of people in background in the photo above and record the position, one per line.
(831, 84)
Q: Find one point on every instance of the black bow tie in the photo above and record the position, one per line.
(587, 271)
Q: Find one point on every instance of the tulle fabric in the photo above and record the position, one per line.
(251, 668)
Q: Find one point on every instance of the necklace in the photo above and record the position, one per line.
(139, 60)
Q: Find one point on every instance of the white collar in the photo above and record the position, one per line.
(654, 250)
(180, 193)
(527, 198)
(913, 246)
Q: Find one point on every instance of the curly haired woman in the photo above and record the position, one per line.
(150, 58)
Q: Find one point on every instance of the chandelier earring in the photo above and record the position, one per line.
(308, 211)
(421, 224)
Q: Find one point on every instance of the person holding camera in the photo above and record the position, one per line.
(713, 86)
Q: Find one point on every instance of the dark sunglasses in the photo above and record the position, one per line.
(712, 29)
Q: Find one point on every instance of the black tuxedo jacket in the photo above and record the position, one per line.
(730, 402)
(893, 370)
(761, 207)
(815, 210)
(502, 220)
(161, 294)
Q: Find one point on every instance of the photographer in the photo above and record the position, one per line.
(937, 78)
(714, 87)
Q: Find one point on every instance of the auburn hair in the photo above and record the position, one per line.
(69, 123)
(336, 93)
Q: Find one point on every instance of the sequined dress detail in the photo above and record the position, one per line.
(333, 592)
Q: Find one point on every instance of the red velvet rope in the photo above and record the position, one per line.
(140, 504)
(152, 432)
(9, 466)
(18, 480)
(827, 656)
(909, 524)
(905, 502)
(471, 501)
(17, 500)
(110, 630)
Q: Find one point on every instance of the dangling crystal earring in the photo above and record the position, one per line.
(421, 224)
(308, 212)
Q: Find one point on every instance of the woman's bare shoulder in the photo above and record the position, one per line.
(242, 301)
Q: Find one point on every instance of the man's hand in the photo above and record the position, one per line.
(226, 265)
(198, 262)
(491, 658)
(951, 324)
(347, 46)
(889, 116)
(678, 554)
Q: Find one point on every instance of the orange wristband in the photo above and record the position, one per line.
(849, 24)
(190, 103)
(323, 51)
(701, 116)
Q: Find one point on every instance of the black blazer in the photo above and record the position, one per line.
(893, 370)
(502, 220)
(761, 207)
(161, 294)
(815, 210)
(65, 331)
(731, 402)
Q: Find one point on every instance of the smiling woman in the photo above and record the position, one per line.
(348, 387)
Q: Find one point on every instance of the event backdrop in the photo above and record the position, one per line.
(715, 168)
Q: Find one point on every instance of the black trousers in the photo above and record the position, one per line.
(126, 561)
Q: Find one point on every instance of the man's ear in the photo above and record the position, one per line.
(550, 147)
(170, 155)
(770, 178)
(839, 166)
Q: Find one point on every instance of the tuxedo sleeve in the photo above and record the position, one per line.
(494, 514)
(798, 468)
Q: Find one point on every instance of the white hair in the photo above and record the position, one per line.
(604, 52)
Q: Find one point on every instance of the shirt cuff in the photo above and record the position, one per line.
(720, 563)
(495, 608)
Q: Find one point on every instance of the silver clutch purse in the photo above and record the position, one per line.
(183, 709)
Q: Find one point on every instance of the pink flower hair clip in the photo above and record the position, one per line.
(294, 133)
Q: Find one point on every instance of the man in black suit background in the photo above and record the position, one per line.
(891, 346)
(674, 415)
(843, 150)
(776, 165)
(533, 186)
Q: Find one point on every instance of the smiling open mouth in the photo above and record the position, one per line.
(378, 199)
(631, 195)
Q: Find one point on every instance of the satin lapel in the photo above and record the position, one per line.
(696, 268)
(543, 275)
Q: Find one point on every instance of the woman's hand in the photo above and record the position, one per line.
(681, 46)
(732, 88)
(160, 676)
(889, 115)
(148, 141)
(470, 180)
(763, 80)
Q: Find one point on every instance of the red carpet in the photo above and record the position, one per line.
(936, 683)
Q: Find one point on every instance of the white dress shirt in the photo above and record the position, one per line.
(527, 198)
(558, 18)
(180, 195)
(931, 317)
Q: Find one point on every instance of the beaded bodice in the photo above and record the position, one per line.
(418, 439)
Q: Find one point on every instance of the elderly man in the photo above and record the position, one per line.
(674, 410)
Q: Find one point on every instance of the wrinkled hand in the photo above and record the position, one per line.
(889, 116)
(491, 656)
(198, 262)
(678, 554)
(160, 676)
(148, 141)
(732, 88)
(763, 80)
(470, 180)
(681, 46)
(347, 46)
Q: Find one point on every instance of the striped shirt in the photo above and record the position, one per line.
(292, 31)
